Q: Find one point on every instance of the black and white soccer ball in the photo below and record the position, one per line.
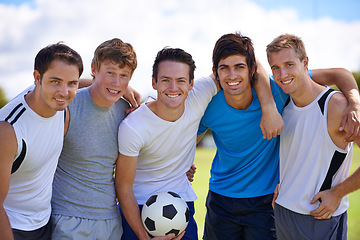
(164, 213)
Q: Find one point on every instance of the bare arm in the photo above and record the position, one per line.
(8, 147)
(124, 179)
(85, 82)
(271, 120)
(133, 97)
(345, 81)
(330, 199)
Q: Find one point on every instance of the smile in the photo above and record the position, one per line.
(173, 95)
(233, 83)
(287, 81)
(113, 91)
(60, 100)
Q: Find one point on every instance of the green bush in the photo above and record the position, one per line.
(3, 99)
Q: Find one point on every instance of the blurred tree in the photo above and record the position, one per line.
(3, 99)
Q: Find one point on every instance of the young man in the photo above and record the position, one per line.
(244, 171)
(31, 137)
(84, 201)
(157, 141)
(314, 155)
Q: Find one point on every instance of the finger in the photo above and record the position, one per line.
(315, 198)
(343, 122)
(349, 133)
(263, 132)
(180, 236)
(356, 133)
(138, 100)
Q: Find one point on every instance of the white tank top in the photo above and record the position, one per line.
(309, 160)
(40, 141)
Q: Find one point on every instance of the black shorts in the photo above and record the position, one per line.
(43, 233)
(239, 218)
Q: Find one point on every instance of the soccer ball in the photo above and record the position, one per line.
(164, 213)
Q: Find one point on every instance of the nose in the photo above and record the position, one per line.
(283, 73)
(115, 81)
(63, 90)
(172, 85)
(232, 74)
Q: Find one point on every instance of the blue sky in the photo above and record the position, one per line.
(330, 30)
(347, 10)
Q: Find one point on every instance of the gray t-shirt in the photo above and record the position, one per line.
(84, 180)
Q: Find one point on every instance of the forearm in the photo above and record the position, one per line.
(262, 88)
(271, 121)
(340, 77)
(131, 211)
(349, 185)
(5, 229)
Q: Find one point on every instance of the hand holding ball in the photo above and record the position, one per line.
(164, 213)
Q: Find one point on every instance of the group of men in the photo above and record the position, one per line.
(60, 146)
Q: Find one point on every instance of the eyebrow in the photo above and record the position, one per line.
(56, 78)
(226, 65)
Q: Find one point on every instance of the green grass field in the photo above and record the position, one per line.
(203, 160)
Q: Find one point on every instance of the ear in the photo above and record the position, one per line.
(93, 70)
(191, 84)
(153, 83)
(214, 72)
(306, 62)
(37, 77)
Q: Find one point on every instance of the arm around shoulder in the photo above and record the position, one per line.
(345, 81)
(271, 121)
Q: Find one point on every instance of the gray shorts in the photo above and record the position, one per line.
(66, 227)
(292, 225)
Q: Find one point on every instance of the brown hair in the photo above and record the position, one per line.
(116, 51)
(235, 44)
(287, 41)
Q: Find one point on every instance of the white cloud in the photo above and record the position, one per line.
(152, 25)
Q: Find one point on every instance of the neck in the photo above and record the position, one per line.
(164, 112)
(307, 93)
(37, 105)
(98, 100)
(240, 101)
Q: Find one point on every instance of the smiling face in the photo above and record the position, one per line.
(56, 88)
(110, 83)
(173, 85)
(288, 70)
(233, 75)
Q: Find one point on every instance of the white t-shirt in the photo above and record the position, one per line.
(165, 150)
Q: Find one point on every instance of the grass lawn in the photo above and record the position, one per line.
(203, 159)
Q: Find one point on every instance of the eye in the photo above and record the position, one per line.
(240, 66)
(73, 83)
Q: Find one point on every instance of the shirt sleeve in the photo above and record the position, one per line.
(130, 142)
(201, 94)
